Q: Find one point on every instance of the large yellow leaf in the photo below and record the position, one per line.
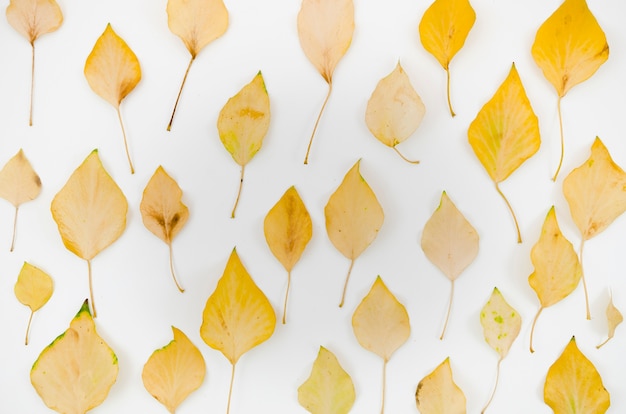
(197, 23)
(76, 371)
(573, 385)
(243, 123)
(353, 218)
(174, 371)
(19, 183)
(325, 30)
(505, 133)
(329, 389)
(33, 289)
(450, 243)
(443, 30)
(288, 229)
(112, 71)
(163, 212)
(614, 317)
(90, 211)
(438, 394)
(381, 325)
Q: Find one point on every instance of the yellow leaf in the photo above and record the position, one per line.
(395, 110)
(443, 30)
(197, 23)
(243, 123)
(325, 30)
(90, 211)
(353, 218)
(33, 289)
(557, 269)
(329, 389)
(614, 318)
(76, 371)
(174, 371)
(288, 229)
(573, 385)
(381, 325)
(19, 183)
(163, 212)
(450, 243)
(438, 394)
(505, 133)
(112, 71)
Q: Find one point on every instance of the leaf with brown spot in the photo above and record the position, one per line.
(437, 392)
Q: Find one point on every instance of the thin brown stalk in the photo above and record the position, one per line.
(345, 285)
(582, 269)
(494, 386)
(230, 389)
(180, 91)
(119, 116)
(30, 319)
(562, 140)
(395, 148)
(286, 297)
(519, 235)
(232, 214)
(532, 329)
(14, 229)
(172, 268)
(330, 88)
(448, 88)
(445, 324)
(93, 302)
(382, 407)
(32, 84)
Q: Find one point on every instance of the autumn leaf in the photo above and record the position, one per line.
(353, 218)
(237, 316)
(569, 47)
(243, 123)
(596, 194)
(19, 183)
(443, 30)
(163, 212)
(557, 269)
(76, 371)
(501, 324)
(33, 289)
(438, 394)
(381, 325)
(329, 389)
(174, 371)
(197, 23)
(395, 110)
(614, 318)
(90, 212)
(325, 30)
(288, 229)
(450, 243)
(112, 71)
(573, 385)
(32, 19)
(505, 133)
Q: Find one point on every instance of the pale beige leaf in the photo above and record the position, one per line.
(33, 289)
(438, 394)
(197, 22)
(614, 317)
(34, 18)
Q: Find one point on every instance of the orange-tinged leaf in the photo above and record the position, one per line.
(33, 289)
(437, 392)
(76, 371)
(174, 371)
(614, 317)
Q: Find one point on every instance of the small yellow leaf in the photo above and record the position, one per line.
(174, 371)
(438, 394)
(329, 389)
(76, 371)
(573, 385)
(33, 289)
(353, 217)
(614, 318)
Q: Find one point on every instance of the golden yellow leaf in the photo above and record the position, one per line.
(112, 71)
(32, 19)
(237, 316)
(438, 394)
(163, 212)
(329, 389)
(197, 23)
(76, 371)
(19, 183)
(505, 133)
(450, 243)
(395, 110)
(243, 123)
(353, 218)
(573, 385)
(614, 318)
(325, 30)
(174, 371)
(288, 229)
(443, 30)
(90, 211)
(381, 325)
(33, 289)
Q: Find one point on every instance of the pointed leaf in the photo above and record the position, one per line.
(438, 394)
(614, 318)
(197, 22)
(33, 287)
(34, 18)
(501, 323)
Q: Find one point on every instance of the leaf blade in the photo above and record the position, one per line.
(437, 393)
(197, 22)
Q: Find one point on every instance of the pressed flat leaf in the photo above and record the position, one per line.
(174, 371)
(438, 394)
(76, 371)
(573, 385)
(329, 389)
(33, 289)
(614, 318)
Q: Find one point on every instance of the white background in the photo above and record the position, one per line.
(136, 298)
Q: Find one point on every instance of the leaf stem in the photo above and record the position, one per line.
(232, 214)
(172, 268)
(448, 88)
(582, 269)
(93, 302)
(32, 83)
(30, 319)
(445, 325)
(286, 297)
(562, 139)
(395, 148)
(230, 389)
(382, 407)
(345, 285)
(180, 91)
(330, 88)
(494, 386)
(603, 343)
(532, 329)
(14, 229)
(519, 235)
(119, 116)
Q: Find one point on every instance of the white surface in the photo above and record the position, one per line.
(136, 298)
